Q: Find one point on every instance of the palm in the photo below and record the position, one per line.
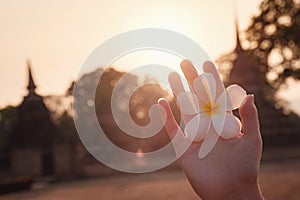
(225, 165)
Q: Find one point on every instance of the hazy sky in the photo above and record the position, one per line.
(58, 35)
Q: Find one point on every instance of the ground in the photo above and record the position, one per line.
(278, 179)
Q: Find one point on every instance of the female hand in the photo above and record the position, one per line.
(230, 170)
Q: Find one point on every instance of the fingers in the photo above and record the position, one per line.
(249, 117)
(171, 124)
(177, 87)
(175, 83)
(178, 139)
(189, 72)
(209, 67)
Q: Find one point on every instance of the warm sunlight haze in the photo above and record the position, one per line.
(57, 36)
(161, 99)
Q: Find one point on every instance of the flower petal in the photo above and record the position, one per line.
(218, 121)
(205, 87)
(209, 142)
(188, 103)
(197, 128)
(232, 127)
(210, 67)
(219, 113)
(235, 96)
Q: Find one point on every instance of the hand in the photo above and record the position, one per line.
(230, 170)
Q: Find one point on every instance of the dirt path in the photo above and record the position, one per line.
(279, 180)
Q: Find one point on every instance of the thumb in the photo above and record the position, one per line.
(249, 117)
(171, 125)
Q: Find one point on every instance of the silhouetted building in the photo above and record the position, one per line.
(36, 146)
(276, 128)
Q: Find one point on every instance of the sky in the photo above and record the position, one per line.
(58, 35)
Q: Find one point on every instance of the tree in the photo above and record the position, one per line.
(130, 94)
(274, 40)
(7, 122)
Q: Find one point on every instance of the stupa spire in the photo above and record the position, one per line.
(31, 85)
(238, 47)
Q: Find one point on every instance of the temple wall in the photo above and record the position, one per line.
(26, 162)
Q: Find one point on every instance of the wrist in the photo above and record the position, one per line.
(251, 191)
(245, 192)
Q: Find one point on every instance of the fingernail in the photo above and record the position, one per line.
(160, 99)
(161, 102)
(250, 96)
(161, 109)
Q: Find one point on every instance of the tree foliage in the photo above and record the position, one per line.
(7, 122)
(131, 94)
(274, 38)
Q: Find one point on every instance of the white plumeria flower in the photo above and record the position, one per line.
(212, 116)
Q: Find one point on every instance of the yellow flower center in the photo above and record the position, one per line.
(210, 109)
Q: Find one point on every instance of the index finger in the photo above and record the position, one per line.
(190, 73)
(209, 67)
